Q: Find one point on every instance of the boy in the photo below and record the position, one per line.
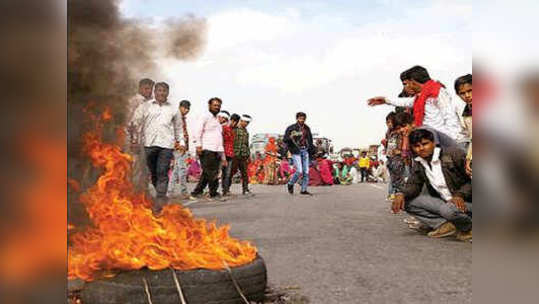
(463, 87)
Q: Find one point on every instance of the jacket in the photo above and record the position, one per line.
(291, 139)
(458, 182)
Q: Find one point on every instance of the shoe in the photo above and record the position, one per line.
(445, 230)
(464, 236)
(194, 197)
(290, 188)
(419, 227)
(247, 192)
(306, 193)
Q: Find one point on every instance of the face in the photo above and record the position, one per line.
(161, 94)
(233, 123)
(222, 120)
(412, 87)
(424, 148)
(389, 124)
(145, 90)
(465, 93)
(244, 124)
(301, 120)
(184, 111)
(215, 107)
(406, 85)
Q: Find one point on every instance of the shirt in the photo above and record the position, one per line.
(133, 133)
(435, 175)
(209, 133)
(228, 139)
(241, 143)
(160, 124)
(364, 162)
(440, 114)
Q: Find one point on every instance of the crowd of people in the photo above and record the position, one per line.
(428, 145)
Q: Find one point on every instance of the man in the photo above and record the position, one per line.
(208, 141)
(228, 141)
(463, 87)
(160, 123)
(447, 206)
(242, 152)
(364, 162)
(431, 103)
(178, 181)
(134, 135)
(299, 140)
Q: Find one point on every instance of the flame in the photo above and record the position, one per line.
(126, 235)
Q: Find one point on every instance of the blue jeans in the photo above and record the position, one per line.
(301, 163)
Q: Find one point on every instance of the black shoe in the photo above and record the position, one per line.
(306, 193)
(247, 192)
(290, 188)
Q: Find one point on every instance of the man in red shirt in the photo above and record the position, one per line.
(228, 143)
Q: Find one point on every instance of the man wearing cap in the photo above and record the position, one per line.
(242, 152)
(208, 140)
(228, 142)
(178, 182)
(299, 140)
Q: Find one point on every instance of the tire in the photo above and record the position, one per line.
(199, 286)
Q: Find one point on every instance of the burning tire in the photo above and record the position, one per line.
(200, 286)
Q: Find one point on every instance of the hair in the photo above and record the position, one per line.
(185, 103)
(146, 81)
(417, 73)
(247, 116)
(462, 80)
(300, 114)
(235, 117)
(402, 119)
(405, 75)
(162, 85)
(214, 99)
(417, 135)
(391, 117)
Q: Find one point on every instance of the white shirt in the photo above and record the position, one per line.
(440, 114)
(209, 133)
(435, 175)
(161, 124)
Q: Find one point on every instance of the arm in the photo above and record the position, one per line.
(407, 102)
(178, 129)
(197, 136)
(414, 185)
(465, 191)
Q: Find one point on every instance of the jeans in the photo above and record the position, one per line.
(178, 178)
(226, 176)
(241, 164)
(434, 211)
(158, 161)
(301, 163)
(364, 174)
(209, 160)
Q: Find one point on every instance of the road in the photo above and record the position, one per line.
(342, 245)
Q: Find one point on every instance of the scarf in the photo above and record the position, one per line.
(430, 89)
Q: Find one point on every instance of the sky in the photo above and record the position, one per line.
(271, 59)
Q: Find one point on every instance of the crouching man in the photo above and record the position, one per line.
(446, 206)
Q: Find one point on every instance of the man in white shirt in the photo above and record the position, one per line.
(437, 112)
(160, 123)
(208, 140)
(447, 207)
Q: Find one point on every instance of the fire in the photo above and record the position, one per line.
(126, 235)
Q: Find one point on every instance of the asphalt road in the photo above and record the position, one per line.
(342, 245)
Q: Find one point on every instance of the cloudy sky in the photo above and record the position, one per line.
(271, 59)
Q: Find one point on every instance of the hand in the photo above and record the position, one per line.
(468, 167)
(459, 202)
(378, 100)
(398, 203)
(224, 163)
(199, 151)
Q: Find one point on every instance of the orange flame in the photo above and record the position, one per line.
(126, 235)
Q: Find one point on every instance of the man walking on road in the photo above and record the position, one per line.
(242, 152)
(228, 142)
(208, 141)
(299, 140)
(160, 123)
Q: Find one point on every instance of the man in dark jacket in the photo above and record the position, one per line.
(299, 140)
(447, 206)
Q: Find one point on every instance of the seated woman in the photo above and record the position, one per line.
(315, 179)
(324, 165)
(342, 174)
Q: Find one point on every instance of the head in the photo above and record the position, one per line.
(414, 79)
(185, 106)
(406, 91)
(402, 119)
(214, 105)
(223, 117)
(245, 120)
(463, 87)
(301, 117)
(145, 87)
(422, 143)
(340, 165)
(390, 120)
(234, 120)
(161, 91)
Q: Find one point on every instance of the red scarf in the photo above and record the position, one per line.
(430, 89)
